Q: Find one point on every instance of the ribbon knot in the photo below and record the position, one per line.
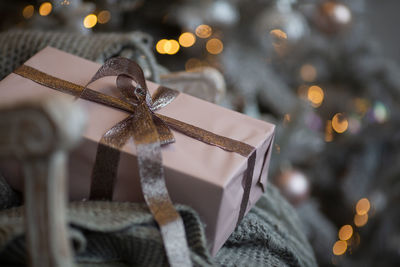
(138, 96)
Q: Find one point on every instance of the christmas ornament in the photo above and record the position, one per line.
(279, 25)
(294, 185)
(332, 16)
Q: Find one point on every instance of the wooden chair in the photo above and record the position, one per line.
(39, 134)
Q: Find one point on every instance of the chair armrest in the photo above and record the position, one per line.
(39, 134)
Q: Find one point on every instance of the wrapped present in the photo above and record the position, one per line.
(213, 159)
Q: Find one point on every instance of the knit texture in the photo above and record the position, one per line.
(16, 47)
(124, 234)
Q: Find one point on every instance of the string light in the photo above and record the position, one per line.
(354, 125)
(340, 247)
(328, 131)
(340, 123)
(45, 9)
(308, 72)
(363, 206)
(160, 46)
(278, 34)
(380, 112)
(360, 220)
(203, 31)
(286, 118)
(28, 11)
(362, 105)
(90, 21)
(65, 3)
(345, 232)
(187, 39)
(315, 95)
(214, 46)
(192, 63)
(169, 47)
(104, 16)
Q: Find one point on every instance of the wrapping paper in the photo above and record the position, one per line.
(205, 177)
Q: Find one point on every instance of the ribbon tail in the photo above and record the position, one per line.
(154, 188)
(105, 167)
(226, 144)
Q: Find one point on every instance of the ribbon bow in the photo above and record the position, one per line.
(149, 132)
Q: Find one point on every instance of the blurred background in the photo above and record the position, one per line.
(324, 71)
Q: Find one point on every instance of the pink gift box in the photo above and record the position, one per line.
(205, 177)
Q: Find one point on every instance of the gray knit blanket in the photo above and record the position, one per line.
(125, 234)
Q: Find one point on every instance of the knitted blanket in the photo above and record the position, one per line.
(124, 234)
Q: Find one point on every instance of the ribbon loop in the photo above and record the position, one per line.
(119, 66)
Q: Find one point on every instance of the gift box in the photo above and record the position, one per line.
(215, 182)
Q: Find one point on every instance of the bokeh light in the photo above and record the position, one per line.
(362, 105)
(345, 232)
(363, 206)
(171, 47)
(340, 123)
(360, 220)
(278, 34)
(104, 16)
(187, 39)
(214, 46)
(380, 112)
(45, 9)
(90, 21)
(28, 11)
(328, 131)
(308, 73)
(315, 95)
(203, 31)
(193, 63)
(340, 247)
(160, 46)
(354, 125)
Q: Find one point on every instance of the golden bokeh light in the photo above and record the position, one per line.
(360, 220)
(340, 123)
(340, 247)
(203, 31)
(362, 105)
(193, 63)
(45, 9)
(345, 232)
(90, 21)
(315, 95)
(171, 47)
(278, 34)
(308, 72)
(363, 206)
(286, 118)
(160, 46)
(328, 131)
(28, 11)
(104, 16)
(214, 46)
(187, 39)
